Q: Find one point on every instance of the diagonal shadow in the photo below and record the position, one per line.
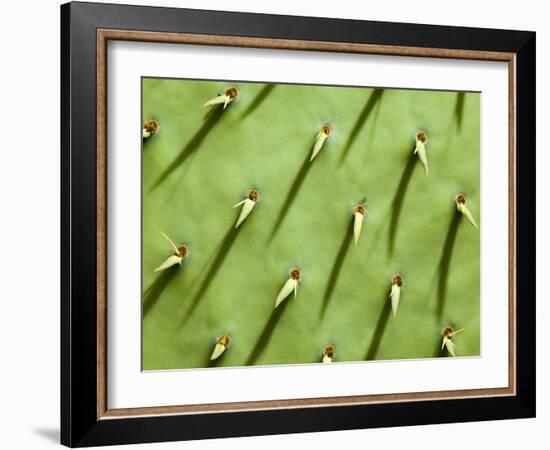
(445, 263)
(439, 352)
(337, 266)
(154, 291)
(258, 100)
(379, 330)
(291, 195)
(459, 108)
(212, 363)
(145, 141)
(224, 249)
(49, 434)
(397, 202)
(373, 100)
(267, 332)
(212, 118)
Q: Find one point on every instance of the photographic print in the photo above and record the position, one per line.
(307, 224)
(279, 224)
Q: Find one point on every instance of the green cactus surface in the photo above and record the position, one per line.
(201, 161)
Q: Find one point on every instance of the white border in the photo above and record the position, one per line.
(128, 386)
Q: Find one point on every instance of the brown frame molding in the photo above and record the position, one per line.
(103, 36)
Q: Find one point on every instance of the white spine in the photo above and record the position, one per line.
(357, 225)
(319, 141)
(218, 350)
(248, 205)
(174, 246)
(451, 347)
(395, 294)
(169, 262)
(421, 150)
(217, 101)
(466, 213)
(289, 286)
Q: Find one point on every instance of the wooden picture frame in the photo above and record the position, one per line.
(86, 418)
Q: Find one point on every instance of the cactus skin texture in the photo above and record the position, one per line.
(210, 159)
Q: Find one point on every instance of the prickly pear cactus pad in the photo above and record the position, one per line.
(358, 214)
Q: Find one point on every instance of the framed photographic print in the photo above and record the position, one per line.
(277, 224)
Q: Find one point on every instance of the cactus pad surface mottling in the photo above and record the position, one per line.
(203, 161)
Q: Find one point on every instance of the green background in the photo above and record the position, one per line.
(203, 161)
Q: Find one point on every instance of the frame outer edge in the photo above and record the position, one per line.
(65, 126)
(79, 426)
(79, 228)
(526, 224)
